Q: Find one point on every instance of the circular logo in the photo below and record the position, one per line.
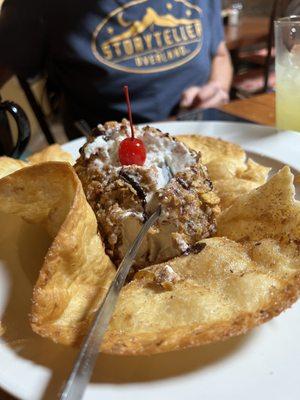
(138, 38)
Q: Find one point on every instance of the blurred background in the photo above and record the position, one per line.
(249, 38)
(254, 7)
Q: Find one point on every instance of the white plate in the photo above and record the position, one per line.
(261, 365)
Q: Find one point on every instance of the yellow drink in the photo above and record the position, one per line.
(288, 100)
(287, 39)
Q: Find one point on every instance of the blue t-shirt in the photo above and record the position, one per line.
(92, 48)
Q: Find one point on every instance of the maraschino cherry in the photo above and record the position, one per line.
(131, 150)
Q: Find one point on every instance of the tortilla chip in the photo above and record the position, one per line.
(232, 189)
(232, 180)
(9, 165)
(76, 272)
(213, 149)
(228, 168)
(254, 172)
(51, 153)
(270, 211)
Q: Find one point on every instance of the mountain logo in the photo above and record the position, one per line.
(137, 38)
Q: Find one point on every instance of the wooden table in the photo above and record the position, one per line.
(259, 109)
(250, 31)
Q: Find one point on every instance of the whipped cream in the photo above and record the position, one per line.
(165, 157)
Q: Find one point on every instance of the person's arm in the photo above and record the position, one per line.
(216, 91)
(222, 70)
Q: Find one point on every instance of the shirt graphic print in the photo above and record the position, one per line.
(138, 38)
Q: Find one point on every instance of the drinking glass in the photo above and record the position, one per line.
(287, 41)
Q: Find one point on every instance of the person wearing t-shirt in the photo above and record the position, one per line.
(171, 54)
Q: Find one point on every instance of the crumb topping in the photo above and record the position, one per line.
(166, 277)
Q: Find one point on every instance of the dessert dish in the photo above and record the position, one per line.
(245, 275)
(221, 286)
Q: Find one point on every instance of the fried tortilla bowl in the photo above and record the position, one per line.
(76, 271)
(238, 280)
(9, 165)
(228, 167)
(51, 153)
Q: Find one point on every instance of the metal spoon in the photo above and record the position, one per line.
(79, 378)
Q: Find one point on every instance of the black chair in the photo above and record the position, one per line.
(37, 110)
(263, 65)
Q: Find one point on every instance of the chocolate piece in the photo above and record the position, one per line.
(134, 183)
(99, 132)
(195, 248)
(182, 183)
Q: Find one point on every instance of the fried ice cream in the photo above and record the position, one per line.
(124, 196)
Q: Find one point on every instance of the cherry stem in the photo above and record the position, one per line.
(126, 93)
